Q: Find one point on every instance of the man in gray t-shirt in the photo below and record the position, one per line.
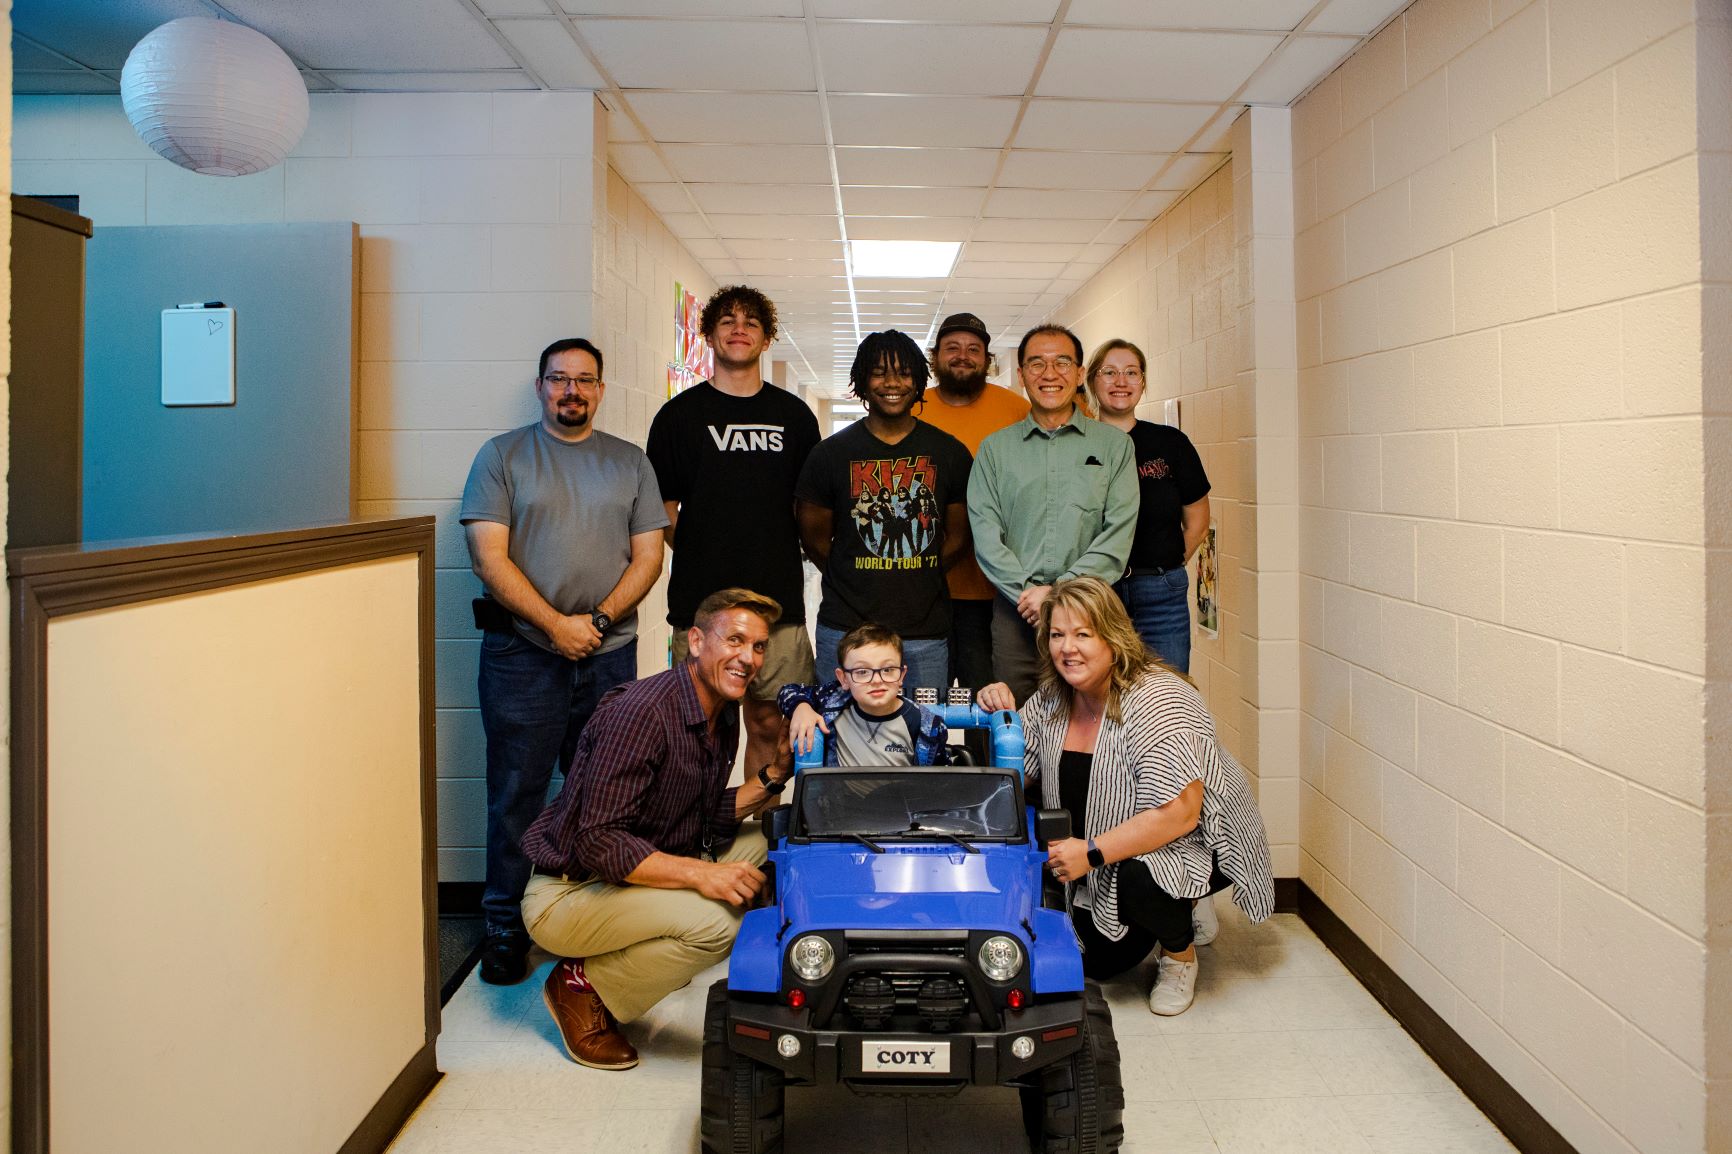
(564, 529)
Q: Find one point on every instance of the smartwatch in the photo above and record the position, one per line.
(601, 621)
(1097, 859)
(771, 787)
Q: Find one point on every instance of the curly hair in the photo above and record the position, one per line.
(895, 350)
(1099, 608)
(743, 297)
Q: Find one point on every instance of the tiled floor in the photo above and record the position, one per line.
(1283, 1052)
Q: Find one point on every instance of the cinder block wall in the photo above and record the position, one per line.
(1499, 270)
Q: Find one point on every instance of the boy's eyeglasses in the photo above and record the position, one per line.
(864, 676)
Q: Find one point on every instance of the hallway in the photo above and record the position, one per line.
(1283, 1053)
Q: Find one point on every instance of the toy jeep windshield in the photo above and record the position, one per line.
(912, 944)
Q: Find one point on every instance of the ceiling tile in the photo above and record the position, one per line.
(1302, 62)
(953, 121)
(916, 166)
(97, 35)
(63, 83)
(513, 7)
(705, 248)
(730, 117)
(1277, 15)
(619, 125)
(909, 227)
(686, 224)
(1187, 171)
(749, 163)
(1008, 270)
(664, 198)
(773, 266)
(26, 57)
(976, 11)
(638, 163)
(1361, 17)
(495, 80)
(798, 248)
(1056, 204)
(794, 199)
(679, 7)
(703, 54)
(1124, 231)
(878, 201)
(1003, 250)
(774, 227)
(550, 50)
(972, 59)
(1110, 125)
(1025, 229)
(1193, 66)
(1115, 170)
(1218, 133)
(375, 36)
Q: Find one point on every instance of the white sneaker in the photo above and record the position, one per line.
(1175, 987)
(1204, 924)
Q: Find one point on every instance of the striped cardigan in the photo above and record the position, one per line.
(1166, 741)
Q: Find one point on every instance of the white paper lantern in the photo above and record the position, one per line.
(214, 96)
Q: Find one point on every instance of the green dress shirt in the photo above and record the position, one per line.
(1045, 505)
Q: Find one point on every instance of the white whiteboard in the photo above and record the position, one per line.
(198, 356)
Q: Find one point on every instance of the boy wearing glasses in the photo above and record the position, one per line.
(863, 713)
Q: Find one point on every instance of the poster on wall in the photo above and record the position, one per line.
(1208, 611)
(693, 361)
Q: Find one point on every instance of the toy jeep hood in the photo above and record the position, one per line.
(939, 887)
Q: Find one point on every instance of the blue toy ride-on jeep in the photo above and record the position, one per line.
(912, 943)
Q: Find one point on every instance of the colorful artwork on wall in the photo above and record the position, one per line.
(693, 359)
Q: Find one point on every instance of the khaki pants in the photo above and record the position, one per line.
(638, 944)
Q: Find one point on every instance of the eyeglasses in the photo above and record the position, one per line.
(864, 676)
(1131, 376)
(559, 382)
(1039, 365)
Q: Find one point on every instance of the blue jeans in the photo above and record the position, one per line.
(928, 660)
(1160, 608)
(533, 706)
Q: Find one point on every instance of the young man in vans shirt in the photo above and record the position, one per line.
(726, 453)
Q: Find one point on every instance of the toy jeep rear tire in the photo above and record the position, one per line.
(1077, 1106)
(742, 1107)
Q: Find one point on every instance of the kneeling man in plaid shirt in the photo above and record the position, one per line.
(641, 869)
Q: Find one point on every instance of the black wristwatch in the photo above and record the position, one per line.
(771, 786)
(600, 620)
(1097, 859)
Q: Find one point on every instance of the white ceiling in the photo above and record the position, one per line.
(1042, 134)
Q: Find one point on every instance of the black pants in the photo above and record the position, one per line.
(1151, 917)
(971, 642)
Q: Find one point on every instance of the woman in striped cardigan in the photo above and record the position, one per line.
(1165, 813)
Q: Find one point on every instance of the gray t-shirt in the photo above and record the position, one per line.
(572, 510)
(863, 740)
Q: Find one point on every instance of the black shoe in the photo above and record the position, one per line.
(502, 958)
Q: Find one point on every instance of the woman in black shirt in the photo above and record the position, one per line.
(1174, 513)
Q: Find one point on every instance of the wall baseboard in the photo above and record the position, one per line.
(379, 1128)
(1287, 895)
(1508, 1110)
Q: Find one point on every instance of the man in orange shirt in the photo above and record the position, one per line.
(968, 408)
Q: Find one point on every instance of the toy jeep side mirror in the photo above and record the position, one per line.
(1051, 825)
(776, 824)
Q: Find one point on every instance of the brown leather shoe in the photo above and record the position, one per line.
(590, 1034)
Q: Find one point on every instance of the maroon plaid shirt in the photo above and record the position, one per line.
(645, 769)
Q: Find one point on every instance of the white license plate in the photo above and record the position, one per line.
(896, 1056)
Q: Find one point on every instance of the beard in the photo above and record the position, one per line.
(573, 418)
(969, 386)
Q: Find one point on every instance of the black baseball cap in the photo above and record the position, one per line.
(964, 322)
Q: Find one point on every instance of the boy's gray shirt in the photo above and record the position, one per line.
(572, 509)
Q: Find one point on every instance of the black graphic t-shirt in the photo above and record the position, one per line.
(731, 463)
(888, 504)
(1169, 477)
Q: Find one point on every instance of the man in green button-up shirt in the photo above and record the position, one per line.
(1052, 496)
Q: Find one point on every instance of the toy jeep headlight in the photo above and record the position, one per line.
(812, 958)
(1000, 958)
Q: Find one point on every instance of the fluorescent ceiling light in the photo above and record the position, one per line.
(904, 258)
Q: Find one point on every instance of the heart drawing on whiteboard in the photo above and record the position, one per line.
(212, 328)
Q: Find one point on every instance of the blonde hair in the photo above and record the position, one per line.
(1100, 609)
(735, 597)
(1100, 355)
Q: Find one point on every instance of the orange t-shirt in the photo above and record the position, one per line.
(971, 424)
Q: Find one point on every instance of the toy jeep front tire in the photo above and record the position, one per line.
(1077, 1105)
(742, 1107)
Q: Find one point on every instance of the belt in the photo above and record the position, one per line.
(564, 877)
(1150, 570)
